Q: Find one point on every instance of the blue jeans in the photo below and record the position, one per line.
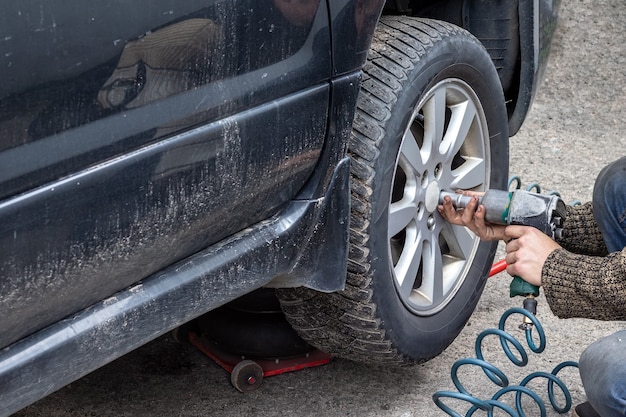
(603, 364)
(603, 372)
(609, 204)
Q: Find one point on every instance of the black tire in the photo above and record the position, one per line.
(414, 67)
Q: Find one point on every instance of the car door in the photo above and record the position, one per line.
(135, 133)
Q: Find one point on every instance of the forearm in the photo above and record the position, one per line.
(581, 233)
(586, 286)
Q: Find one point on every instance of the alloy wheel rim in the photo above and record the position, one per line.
(445, 147)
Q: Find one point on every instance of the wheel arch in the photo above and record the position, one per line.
(517, 34)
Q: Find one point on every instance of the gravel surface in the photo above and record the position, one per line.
(576, 126)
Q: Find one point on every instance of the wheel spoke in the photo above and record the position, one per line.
(463, 114)
(431, 289)
(408, 265)
(469, 175)
(460, 240)
(410, 154)
(401, 213)
(434, 123)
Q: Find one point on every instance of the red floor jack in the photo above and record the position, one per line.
(251, 339)
(246, 374)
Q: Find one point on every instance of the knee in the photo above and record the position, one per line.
(605, 355)
(609, 204)
(611, 181)
(603, 372)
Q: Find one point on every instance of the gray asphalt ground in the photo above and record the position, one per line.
(576, 126)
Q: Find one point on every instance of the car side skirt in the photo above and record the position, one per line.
(64, 352)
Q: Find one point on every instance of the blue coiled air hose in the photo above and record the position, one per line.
(500, 379)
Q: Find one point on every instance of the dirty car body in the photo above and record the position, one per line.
(160, 159)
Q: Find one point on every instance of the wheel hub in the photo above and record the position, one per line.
(432, 196)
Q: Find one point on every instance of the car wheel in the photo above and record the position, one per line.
(430, 117)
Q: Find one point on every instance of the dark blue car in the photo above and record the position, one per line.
(159, 159)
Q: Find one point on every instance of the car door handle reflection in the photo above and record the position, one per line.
(163, 63)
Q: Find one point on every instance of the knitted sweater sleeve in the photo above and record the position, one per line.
(586, 286)
(581, 280)
(581, 233)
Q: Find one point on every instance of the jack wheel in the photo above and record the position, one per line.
(246, 376)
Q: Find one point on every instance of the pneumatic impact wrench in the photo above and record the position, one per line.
(543, 212)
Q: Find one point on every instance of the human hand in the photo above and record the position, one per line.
(527, 251)
(472, 216)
